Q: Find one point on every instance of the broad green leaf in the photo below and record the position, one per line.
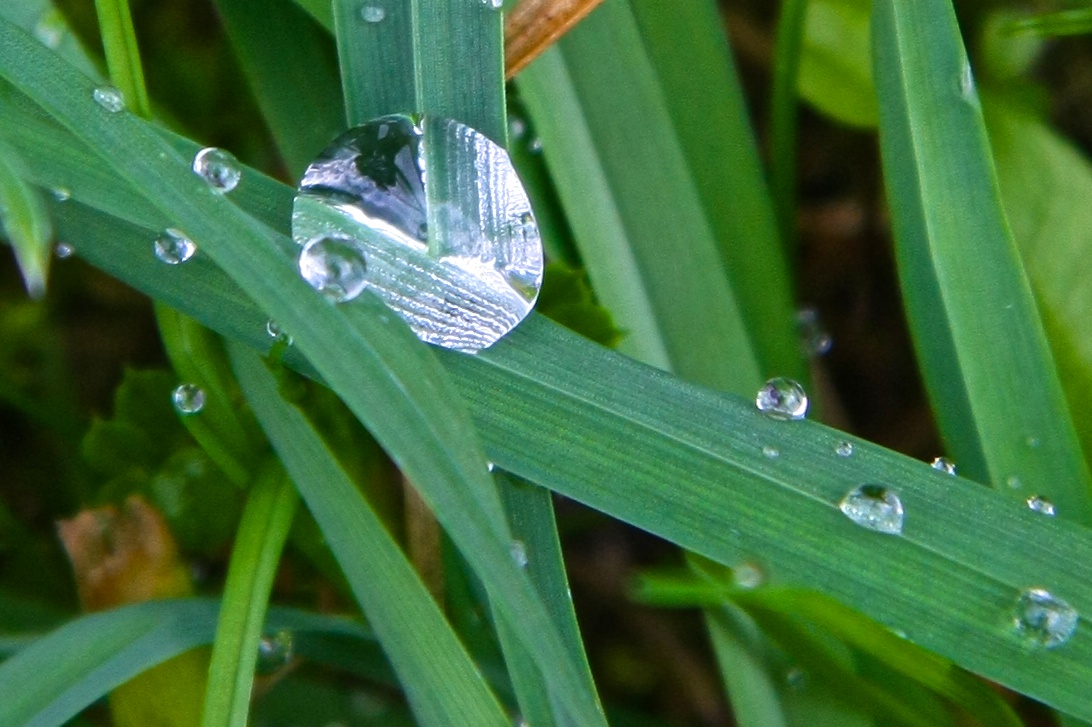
(972, 315)
(836, 62)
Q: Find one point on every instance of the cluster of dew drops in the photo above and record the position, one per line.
(1039, 618)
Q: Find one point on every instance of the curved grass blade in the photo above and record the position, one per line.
(24, 222)
(984, 355)
(263, 530)
(122, 55)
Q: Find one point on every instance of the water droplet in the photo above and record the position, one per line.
(519, 553)
(188, 399)
(109, 98)
(61, 194)
(748, 575)
(173, 247)
(874, 507)
(796, 678)
(1038, 503)
(63, 251)
(782, 398)
(535, 145)
(844, 449)
(967, 88)
(1041, 619)
(1032, 442)
(454, 251)
(274, 651)
(372, 13)
(942, 464)
(335, 266)
(219, 168)
(490, 466)
(517, 127)
(50, 29)
(813, 338)
(1014, 482)
(276, 332)
(771, 452)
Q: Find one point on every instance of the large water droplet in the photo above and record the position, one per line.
(173, 247)
(275, 651)
(335, 266)
(844, 449)
(813, 338)
(519, 553)
(109, 98)
(1038, 503)
(1041, 619)
(372, 14)
(874, 507)
(219, 168)
(188, 399)
(945, 465)
(782, 398)
(442, 218)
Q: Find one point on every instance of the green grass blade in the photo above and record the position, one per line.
(1077, 21)
(263, 530)
(984, 355)
(737, 646)
(122, 55)
(790, 41)
(43, 686)
(288, 62)
(440, 680)
(24, 221)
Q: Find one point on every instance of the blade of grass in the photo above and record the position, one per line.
(1077, 21)
(263, 530)
(737, 646)
(24, 221)
(122, 55)
(441, 682)
(978, 335)
(786, 68)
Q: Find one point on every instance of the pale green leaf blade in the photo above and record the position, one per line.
(24, 222)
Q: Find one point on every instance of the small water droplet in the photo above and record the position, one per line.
(844, 449)
(535, 145)
(1032, 442)
(335, 266)
(372, 13)
(942, 464)
(1041, 619)
(1038, 503)
(813, 338)
(275, 651)
(490, 466)
(783, 399)
(109, 98)
(517, 127)
(796, 678)
(771, 452)
(277, 333)
(50, 29)
(219, 168)
(874, 507)
(173, 247)
(519, 553)
(1014, 482)
(748, 575)
(188, 399)
(61, 194)
(63, 251)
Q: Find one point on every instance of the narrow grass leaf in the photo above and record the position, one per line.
(24, 221)
(974, 321)
(738, 648)
(122, 55)
(791, 23)
(1076, 21)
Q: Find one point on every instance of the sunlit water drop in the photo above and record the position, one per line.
(782, 398)
(173, 247)
(945, 465)
(63, 251)
(814, 339)
(519, 553)
(1041, 619)
(275, 651)
(874, 507)
(372, 14)
(440, 218)
(109, 98)
(844, 449)
(219, 168)
(771, 452)
(188, 399)
(1038, 503)
(748, 575)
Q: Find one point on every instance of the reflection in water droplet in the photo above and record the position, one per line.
(942, 464)
(1041, 619)
(748, 575)
(372, 13)
(188, 399)
(844, 449)
(61, 194)
(782, 398)
(334, 266)
(445, 224)
(63, 251)
(219, 168)
(874, 507)
(1038, 503)
(519, 553)
(109, 98)
(173, 247)
(274, 651)
(771, 452)
(813, 338)
(276, 332)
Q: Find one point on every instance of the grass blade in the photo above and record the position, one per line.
(981, 351)
(263, 530)
(24, 221)
(122, 54)
(790, 41)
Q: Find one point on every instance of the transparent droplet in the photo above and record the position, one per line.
(1014, 482)
(173, 247)
(277, 333)
(782, 398)
(813, 338)
(372, 13)
(490, 466)
(109, 98)
(844, 449)
(61, 194)
(535, 145)
(874, 507)
(63, 251)
(334, 266)
(517, 127)
(274, 651)
(50, 29)
(1041, 619)
(945, 465)
(519, 553)
(442, 219)
(748, 575)
(219, 168)
(1038, 503)
(188, 399)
